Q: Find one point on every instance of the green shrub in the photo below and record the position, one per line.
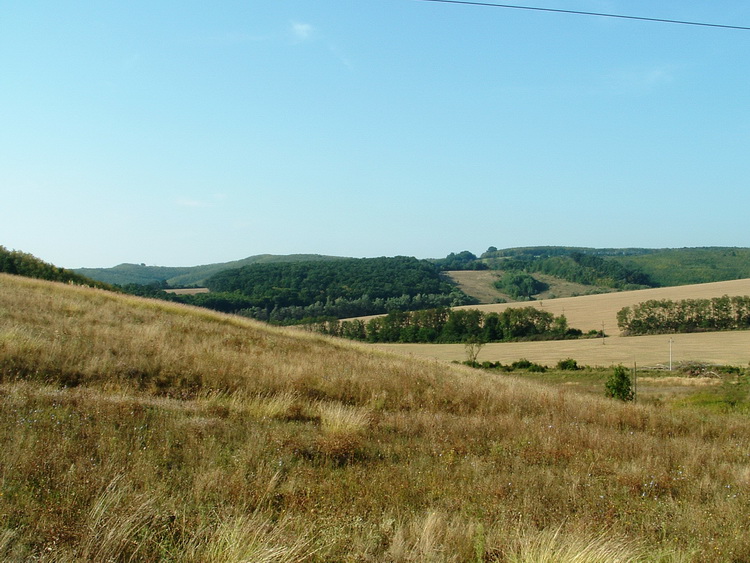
(618, 385)
(567, 364)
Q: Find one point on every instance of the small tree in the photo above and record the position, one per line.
(618, 385)
(473, 346)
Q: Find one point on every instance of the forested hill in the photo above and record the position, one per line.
(346, 287)
(184, 276)
(22, 264)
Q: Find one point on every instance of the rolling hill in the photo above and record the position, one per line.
(124, 274)
(664, 267)
(134, 429)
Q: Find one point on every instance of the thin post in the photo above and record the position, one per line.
(670, 352)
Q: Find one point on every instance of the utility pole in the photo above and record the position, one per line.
(670, 352)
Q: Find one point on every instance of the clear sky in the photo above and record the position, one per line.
(189, 132)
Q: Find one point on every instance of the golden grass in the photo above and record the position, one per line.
(140, 430)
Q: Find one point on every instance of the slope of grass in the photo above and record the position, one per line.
(683, 266)
(140, 430)
(480, 284)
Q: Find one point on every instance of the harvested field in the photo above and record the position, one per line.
(589, 312)
(732, 348)
(594, 312)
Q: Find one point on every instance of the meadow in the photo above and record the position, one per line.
(140, 430)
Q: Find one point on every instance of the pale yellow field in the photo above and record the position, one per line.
(597, 311)
(731, 348)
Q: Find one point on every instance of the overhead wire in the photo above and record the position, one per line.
(582, 13)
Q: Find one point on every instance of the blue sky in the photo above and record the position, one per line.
(185, 132)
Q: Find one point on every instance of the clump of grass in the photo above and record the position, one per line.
(281, 406)
(559, 546)
(339, 419)
(252, 538)
(342, 430)
(433, 536)
(117, 517)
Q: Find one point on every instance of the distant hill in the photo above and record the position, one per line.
(686, 266)
(601, 269)
(187, 275)
(625, 268)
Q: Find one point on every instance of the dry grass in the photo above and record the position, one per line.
(140, 430)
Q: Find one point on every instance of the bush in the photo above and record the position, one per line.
(523, 363)
(567, 364)
(618, 385)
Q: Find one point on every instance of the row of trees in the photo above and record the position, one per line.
(688, 315)
(444, 325)
(345, 308)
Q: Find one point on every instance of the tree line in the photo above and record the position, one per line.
(664, 316)
(442, 325)
(23, 264)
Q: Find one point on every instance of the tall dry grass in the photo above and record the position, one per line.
(139, 430)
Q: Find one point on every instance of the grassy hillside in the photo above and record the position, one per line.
(683, 266)
(187, 275)
(480, 284)
(23, 264)
(623, 267)
(141, 430)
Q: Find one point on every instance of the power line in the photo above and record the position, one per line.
(580, 13)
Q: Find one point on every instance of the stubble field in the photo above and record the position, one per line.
(597, 312)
